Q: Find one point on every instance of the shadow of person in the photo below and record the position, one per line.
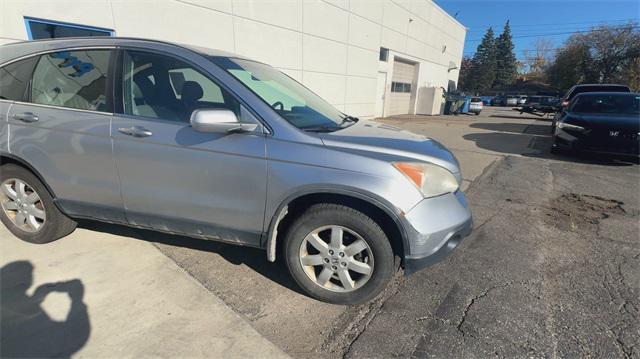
(26, 329)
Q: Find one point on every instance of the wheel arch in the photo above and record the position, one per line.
(381, 212)
(7, 158)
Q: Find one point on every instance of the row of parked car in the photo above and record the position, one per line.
(508, 100)
(596, 118)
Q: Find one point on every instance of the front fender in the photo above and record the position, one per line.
(344, 191)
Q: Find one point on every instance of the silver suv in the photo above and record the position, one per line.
(200, 143)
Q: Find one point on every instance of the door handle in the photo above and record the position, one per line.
(25, 117)
(135, 131)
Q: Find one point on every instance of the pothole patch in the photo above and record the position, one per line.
(572, 211)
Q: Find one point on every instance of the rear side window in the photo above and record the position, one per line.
(14, 79)
(74, 79)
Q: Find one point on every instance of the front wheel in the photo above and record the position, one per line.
(338, 254)
(27, 208)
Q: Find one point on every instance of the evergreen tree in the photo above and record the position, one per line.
(465, 84)
(506, 64)
(483, 69)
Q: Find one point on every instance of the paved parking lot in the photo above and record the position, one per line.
(552, 268)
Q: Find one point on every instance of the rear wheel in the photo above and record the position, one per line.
(27, 207)
(338, 254)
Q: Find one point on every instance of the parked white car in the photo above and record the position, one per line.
(475, 106)
(522, 100)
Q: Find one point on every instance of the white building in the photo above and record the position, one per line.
(369, 58)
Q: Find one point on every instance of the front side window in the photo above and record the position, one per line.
(14, 79)
(162, 87)
(74, 79)
(292, 101)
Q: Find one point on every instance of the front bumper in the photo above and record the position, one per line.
(567, 140)
(434, 228)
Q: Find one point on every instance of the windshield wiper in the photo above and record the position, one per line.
(339, 126)
(349, 119)
(323, 128)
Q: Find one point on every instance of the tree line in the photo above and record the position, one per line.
(606, 54)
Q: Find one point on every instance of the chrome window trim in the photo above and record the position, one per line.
(58, 107)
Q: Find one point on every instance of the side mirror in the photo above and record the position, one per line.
(219, 121)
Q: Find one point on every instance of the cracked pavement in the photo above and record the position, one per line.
(552, 268)
(537, 278)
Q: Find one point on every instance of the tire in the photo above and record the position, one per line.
(325, 220)
(555, 149)
(52, 224)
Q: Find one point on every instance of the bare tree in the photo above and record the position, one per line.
(607, 54)
(537, 60)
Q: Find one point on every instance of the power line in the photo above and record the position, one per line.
(555, 28)
(567, 32)
(523, 50)
(550, 24)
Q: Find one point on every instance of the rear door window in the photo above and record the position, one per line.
(14, 79)
(73, 79)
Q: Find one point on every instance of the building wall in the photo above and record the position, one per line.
(332, 46)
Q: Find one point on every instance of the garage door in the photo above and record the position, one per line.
(401, 87)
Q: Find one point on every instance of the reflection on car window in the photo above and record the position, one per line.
(294, 102)
(75, 79)
(166, 88)
(607, 104)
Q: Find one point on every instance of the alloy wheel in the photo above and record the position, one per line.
(22, 205)
(336, 258)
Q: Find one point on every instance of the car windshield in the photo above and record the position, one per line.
(291, 100)
(476, 99)
(607, 104)
(596, 88)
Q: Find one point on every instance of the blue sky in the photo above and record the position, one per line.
(535, 19)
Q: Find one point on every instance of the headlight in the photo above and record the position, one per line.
(570, 127)
(431, 180)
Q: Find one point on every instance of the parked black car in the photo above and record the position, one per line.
(601, 122)
(584, 88)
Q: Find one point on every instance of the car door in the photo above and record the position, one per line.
(62, 128)
(174, 178)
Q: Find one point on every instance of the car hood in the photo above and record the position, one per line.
(629, 122)
(392, 142)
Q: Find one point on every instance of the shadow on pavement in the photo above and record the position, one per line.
(518, 128)
(27, 330)
(540, 146)
(254, 258)
(524, 117)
